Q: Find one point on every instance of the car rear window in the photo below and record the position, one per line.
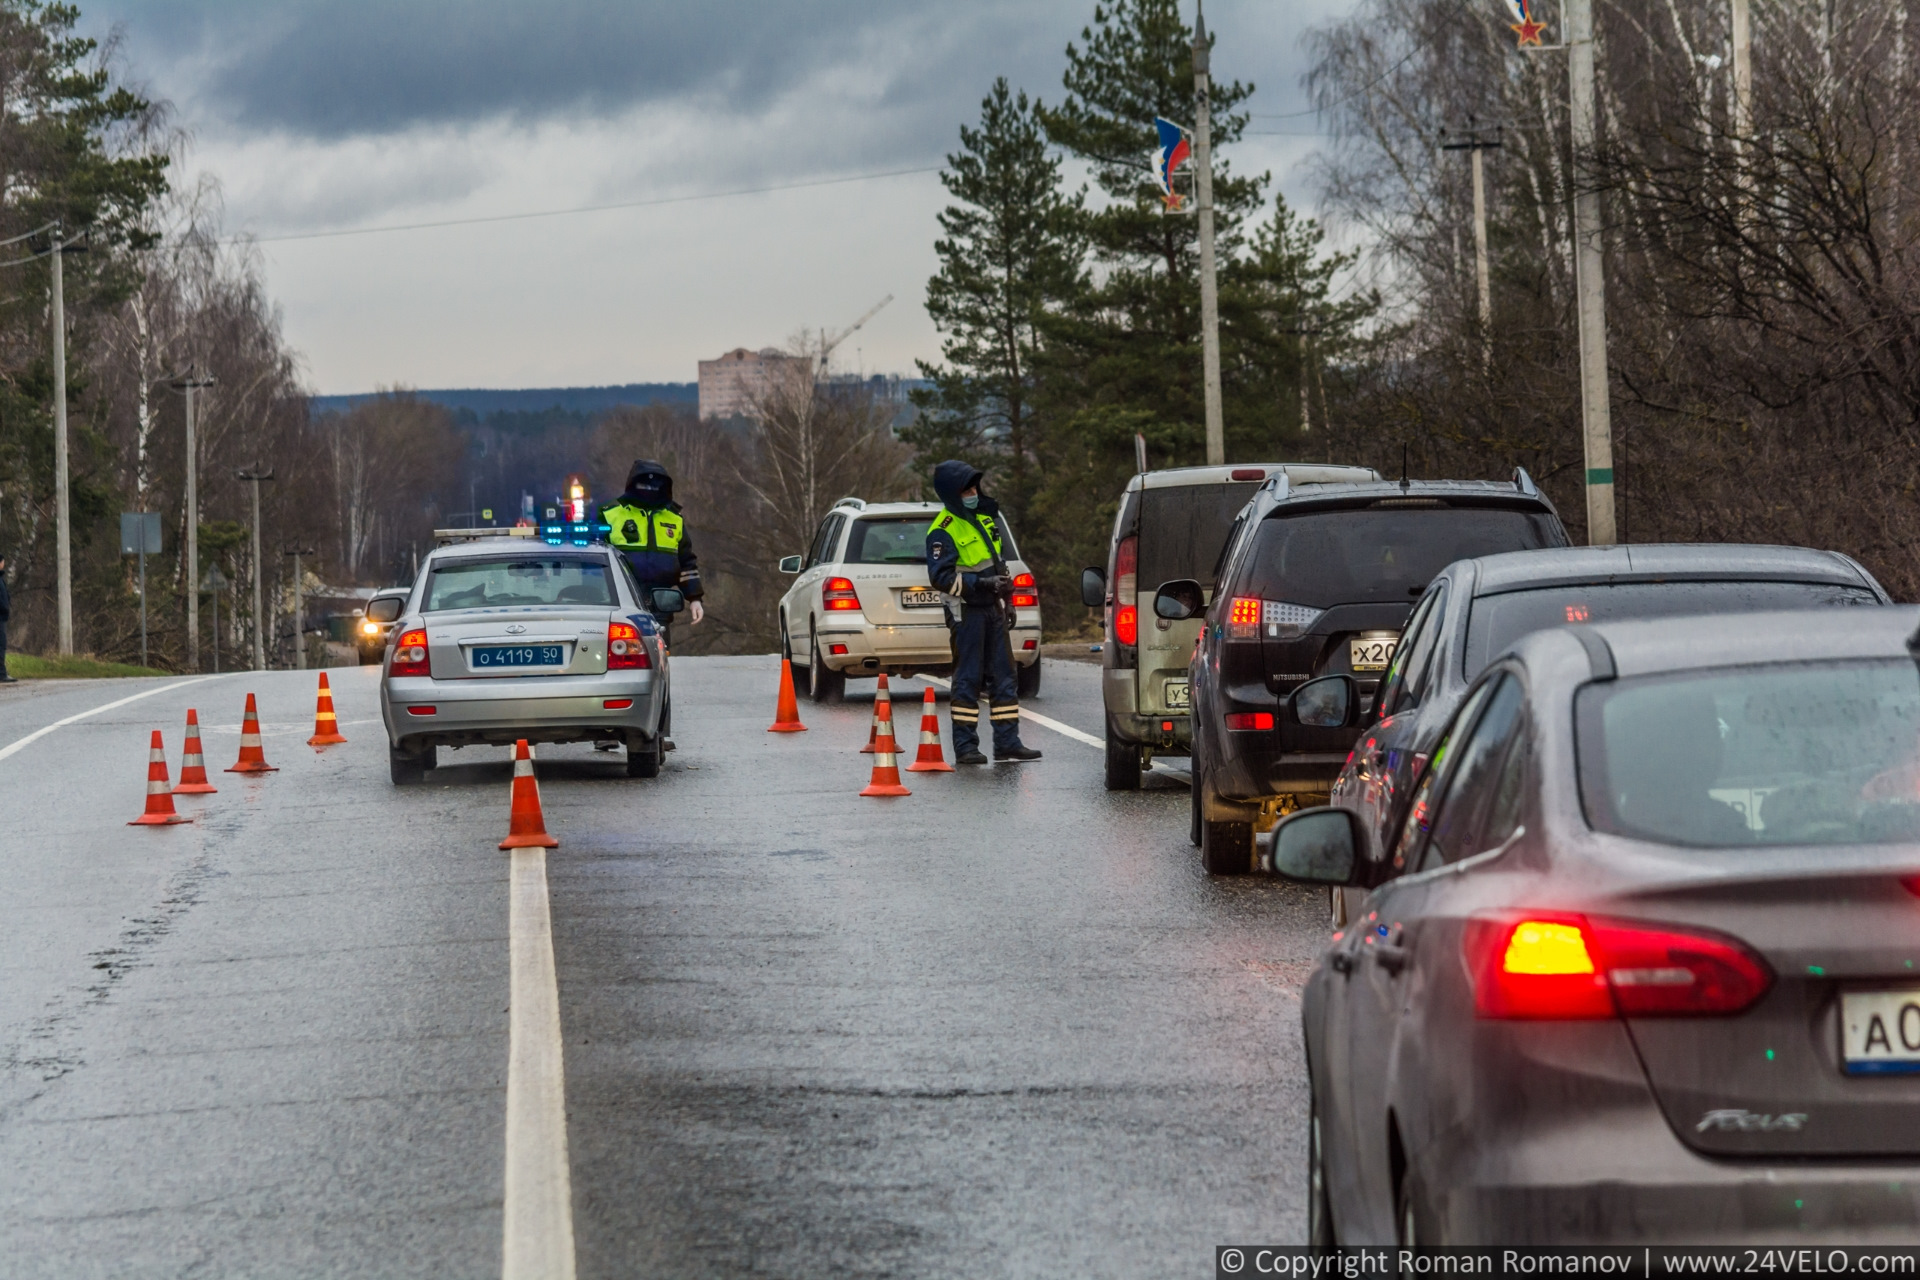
(903, 540)
(1498, 620)
(527, 580)
(1790, 754)
(1378, 555)
(1183, 529)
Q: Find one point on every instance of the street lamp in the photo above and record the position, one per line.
(255, 476)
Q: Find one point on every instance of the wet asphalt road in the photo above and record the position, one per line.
(1005, 1026)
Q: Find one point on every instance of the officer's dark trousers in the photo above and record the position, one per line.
(3, 649)
(981, 657)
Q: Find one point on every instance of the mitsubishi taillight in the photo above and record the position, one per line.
(1126, 591)
(1243, 618)
(410, 656)
(838, 595)
(1026, 595)
(625, 652)
(1554, 966)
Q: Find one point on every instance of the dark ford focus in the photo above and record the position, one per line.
(1641, 963)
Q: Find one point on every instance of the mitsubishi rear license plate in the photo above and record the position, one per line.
(1179, 695)
(919, 599)
(1372, 653)
(1880, 1031)
(490, 656)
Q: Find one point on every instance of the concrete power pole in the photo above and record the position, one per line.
(187, 385)
(255, 476)
(62, 500)
(1474, 145)
(1590, 281)
(299, 606)
(1209, 297)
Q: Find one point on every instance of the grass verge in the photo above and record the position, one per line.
(26, 666)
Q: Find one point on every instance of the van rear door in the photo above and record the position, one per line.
(1183, 529)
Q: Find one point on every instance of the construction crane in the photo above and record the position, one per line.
(828, 344)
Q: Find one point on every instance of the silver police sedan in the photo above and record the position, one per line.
(504, 638)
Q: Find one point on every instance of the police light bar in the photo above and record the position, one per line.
(578, 533)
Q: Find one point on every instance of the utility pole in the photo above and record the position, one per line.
(188, 384)
(255, 476)
(1589, 281)
(62, 500)
(1209, 298)
(1742, 73)
(1474, 145)
(299, 606)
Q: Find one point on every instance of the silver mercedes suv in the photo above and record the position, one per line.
(504, 638)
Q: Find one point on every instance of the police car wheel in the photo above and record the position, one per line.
(407, 768)
(643, 758)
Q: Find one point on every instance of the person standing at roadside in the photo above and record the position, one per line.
(966, 566)
(6, 611)
(647, 526)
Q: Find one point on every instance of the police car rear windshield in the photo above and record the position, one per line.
(523, 580)
(903, 540)
(1381, 555)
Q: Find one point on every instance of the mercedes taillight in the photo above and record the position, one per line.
(410, 656)
(1026, 594)
(839, 596)
(1556, 966)
(1126, 592)
(625, 650)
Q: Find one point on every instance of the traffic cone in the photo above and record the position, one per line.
(193, 765)
(526, 829)
(882, 705)
(326, 727)
(786, 717)
(886, 772)
(252, 758)
(159, 795)
(929, 760)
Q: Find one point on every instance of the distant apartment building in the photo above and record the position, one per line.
(738, 382)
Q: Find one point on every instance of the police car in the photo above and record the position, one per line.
(862, 603)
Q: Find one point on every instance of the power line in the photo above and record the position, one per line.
(591, 208)
(1363, 89)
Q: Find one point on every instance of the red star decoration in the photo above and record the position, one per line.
(1529, 32)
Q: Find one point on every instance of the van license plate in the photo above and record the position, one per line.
(519, 655)
(1880, 1031)
(1178, 695)
(919, 599)
(1373, 654)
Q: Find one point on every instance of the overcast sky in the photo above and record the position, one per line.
(326, 114)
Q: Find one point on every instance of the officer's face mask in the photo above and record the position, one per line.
(971, 501)
(651, 491)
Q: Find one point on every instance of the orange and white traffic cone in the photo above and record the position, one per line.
(526, 828)
(252, 758)
(786, 716)
(882, 706)
(886, 770)
(929, 760)
(159, 795)
(193, 765)
(326, 726)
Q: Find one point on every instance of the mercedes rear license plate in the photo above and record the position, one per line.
(519, 655)
(919, 599)
(1178, 695)
(1880, 1031)
(1372, 653)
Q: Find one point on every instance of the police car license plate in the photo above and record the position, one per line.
(919, 599)
(1179, 695)
(519, 655)
(1372, 653)
(1880, 1031)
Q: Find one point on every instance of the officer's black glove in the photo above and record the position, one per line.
(630, 531)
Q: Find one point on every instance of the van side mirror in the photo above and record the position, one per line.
(790, 564)
(1093, 587)
(385, 609)
(1180, 599)
(1331, 702)
(667, 601)
(1314, 846)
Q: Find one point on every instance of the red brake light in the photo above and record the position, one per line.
(1243, 618)
(410, 656)
(1126, 625)
(1571, 966)
(1912, 884)
(839, 595)
(1246, 473)
(625, 652)
(1123, 604)
(1250, 720)
(1025, 594)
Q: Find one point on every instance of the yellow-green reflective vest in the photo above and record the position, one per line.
(659, 530)
(974, 553)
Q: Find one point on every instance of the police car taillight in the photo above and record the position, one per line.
(839, 595)
(1026, 595)
(410, 656)
(625, 652)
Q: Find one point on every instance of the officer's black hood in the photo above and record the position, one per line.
(953, 477)
(648, 484)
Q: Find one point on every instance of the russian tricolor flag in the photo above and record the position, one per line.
(1168, 157)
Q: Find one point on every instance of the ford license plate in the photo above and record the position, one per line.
(1372, 653)
(919, 599)
(1880, 1031)
(1179, 695)
(491, 656)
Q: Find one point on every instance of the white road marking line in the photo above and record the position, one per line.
(14, 746)
(537, 1234)
(1067, 730)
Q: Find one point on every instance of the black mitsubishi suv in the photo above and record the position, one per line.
(1318, 582)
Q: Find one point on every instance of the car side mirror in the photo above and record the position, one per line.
(1180, 599)
(1314, 846)
(1331, 702)
(1093, 588)
(790, 564)
(667, 601)
(384, 610)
